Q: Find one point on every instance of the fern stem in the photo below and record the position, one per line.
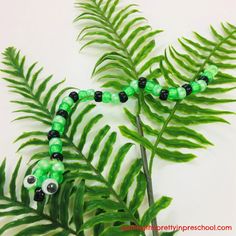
(41, 214)
(158, 139)
(146, 173)
(138, 119)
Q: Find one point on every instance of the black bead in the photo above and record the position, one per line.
(142, 82)
(202, 77)
(39, 195)
(53, 134)
(188, 88)
(58, 156)
(164, 94)
(74, 95)
(62, 113)
(98, 96)
(123, 97)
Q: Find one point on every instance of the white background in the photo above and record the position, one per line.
(204, 191)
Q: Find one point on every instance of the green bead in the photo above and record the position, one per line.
(195, 87)
(90, 94)
(203, 85)
(65, 106)
(40, 180)
(55, 148)
(115, 99)
(173, 94)
(83, 95)
(58, 127)
(149, 86)
(181, 93)
(59, 119)
(209, 75)
(54, 161)
(156, 90)
(55, 141)
(129, 91)
(134, 85)
(38, 173)
(44, 165)
(212, 69)
(57, 176)
(106, 97)
(68, 100)
(58, 167)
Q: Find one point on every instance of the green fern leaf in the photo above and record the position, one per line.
(154, 209)
(124, 31)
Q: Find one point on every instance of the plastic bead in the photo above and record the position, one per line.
(129, 91)
(188, 88)
(142, 82)
(208, 74)
(57, 176)
(62, 113)
(39, 195)
(40, 180)
(212, 69)
(181, 93)
(57, 156)
(195, 87)
(98, 96)
(115, 99)
(90, 94)
(38, 173)
(149, 86)
(164, 94)
(134, 85)
(59, 119)
(123, 97)
(65, 106)
(55, 148)
(58, 127)
(74, 95)
(203, 85)
(44, 165)
(58, 167)
(55, 141)
(205, 78)
(53, 134)
(106, 97)
(68, 100)
(83, 95)
(173, 94)
(156, 90)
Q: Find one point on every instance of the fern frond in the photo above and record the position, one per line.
(183, 66)
(130, 40)
(86, 163)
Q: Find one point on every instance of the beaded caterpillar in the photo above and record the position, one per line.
(48, 174)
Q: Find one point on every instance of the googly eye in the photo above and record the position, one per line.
(30, 181)
(50, 186)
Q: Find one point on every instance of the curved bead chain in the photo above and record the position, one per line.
(48, 174)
